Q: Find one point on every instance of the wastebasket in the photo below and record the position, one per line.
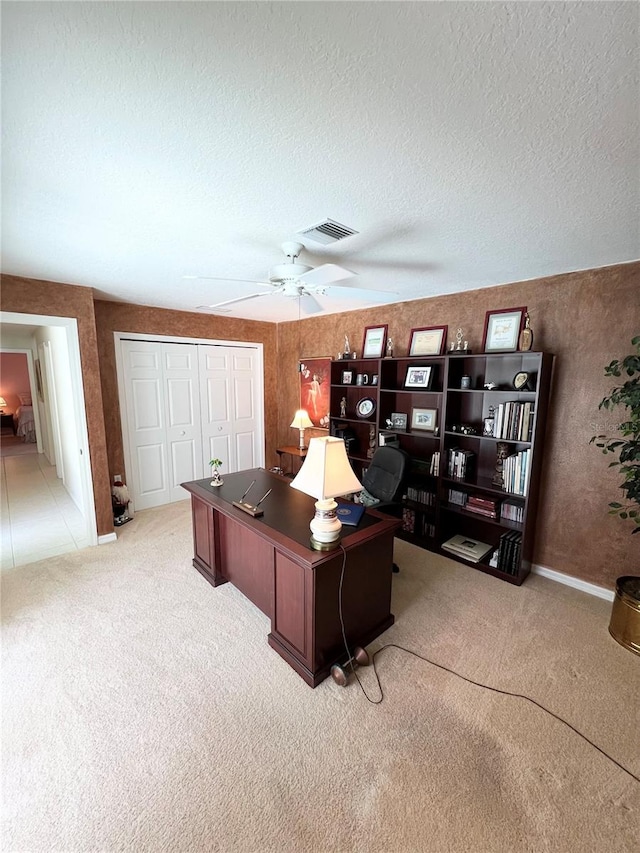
(625, 615)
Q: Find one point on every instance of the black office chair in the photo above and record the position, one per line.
(383, 481)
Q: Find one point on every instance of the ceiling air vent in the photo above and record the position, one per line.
(327, 231)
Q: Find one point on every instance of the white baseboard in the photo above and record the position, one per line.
(107, 537)
(576, 583)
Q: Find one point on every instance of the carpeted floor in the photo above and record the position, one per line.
(144, 711)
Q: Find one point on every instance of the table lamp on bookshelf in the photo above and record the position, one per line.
(325, 474)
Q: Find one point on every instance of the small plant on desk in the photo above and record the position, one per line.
(217, 479)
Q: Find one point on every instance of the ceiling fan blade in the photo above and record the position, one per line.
(337, 292)
(310, 304)
(218, 278)
(324, 275)
(237, 299)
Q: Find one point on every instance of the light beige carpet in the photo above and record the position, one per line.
(144, 711)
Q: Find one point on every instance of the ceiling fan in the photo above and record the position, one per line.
(295, 280)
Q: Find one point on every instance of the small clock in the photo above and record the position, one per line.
(523, 381)
(365, 407)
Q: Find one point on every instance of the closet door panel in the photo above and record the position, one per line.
(182, 403)
(145, 423)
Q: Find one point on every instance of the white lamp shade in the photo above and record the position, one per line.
(301, 420)
(326, 472)
(3, 402)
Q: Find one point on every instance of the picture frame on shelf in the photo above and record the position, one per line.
(418, 377)
(347, 377)
(428, 340)
(375, 338)
(425, 419)
(502, 329)
(399, 420)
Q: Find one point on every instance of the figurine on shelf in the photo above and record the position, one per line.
(389, 353)
(526, 335)
(343, 407)
(502, 450)
(489, 422)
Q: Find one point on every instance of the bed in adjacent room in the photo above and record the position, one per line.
(24, 421)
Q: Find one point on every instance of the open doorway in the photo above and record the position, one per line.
(52, 345)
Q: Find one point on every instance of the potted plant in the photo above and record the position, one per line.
(626, 445)
(217, 479)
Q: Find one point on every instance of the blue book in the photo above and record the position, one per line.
(349, 513)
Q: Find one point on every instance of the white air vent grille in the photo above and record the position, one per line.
(327, 231)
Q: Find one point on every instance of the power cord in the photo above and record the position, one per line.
(452, 672)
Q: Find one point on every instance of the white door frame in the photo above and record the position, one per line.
(77, 406)
(118, 337)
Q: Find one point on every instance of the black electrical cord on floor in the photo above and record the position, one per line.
(452, 672)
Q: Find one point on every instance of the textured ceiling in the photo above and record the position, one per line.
(470, 144)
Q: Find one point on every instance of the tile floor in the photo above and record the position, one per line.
(38, 518)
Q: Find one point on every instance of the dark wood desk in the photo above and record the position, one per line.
(270, 561)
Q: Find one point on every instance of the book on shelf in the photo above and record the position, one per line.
(512, 511)
(515, 472)
(434, 467)
(457, 497)
(464, 546)
(509, 552)
(513, 421)
(460, 463)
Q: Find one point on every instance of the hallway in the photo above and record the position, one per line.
(38, 517)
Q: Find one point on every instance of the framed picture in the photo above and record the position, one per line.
(398, 420)
(315, 384)
(347, 377)
(424, 419)
(418, 377)
(375, 338)
(502, 330)
(430, 340)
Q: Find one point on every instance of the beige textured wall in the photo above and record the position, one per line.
(118, 317)
(31, 296)
(586, 319)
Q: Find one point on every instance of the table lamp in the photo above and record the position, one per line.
(325, 474)
(301, 421)
(3, 403)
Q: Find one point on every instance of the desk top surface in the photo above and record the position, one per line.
(286, 511)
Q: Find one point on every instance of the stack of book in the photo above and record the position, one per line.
(464, 546)
(512, 511)
(515, 472)
(460, 463)
(509, 552)
(434, 468)
(458, 498)
(514, 421)
(421, 496)
(483, 506)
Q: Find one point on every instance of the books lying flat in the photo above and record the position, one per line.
(350, 513)
(468, 548)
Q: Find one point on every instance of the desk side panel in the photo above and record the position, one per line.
(205, 557)
(292, 613)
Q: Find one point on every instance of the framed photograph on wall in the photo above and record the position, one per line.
(424, 419)
(315, 385)
(418, 377)
(502, 329)
(375, 338)
(430, 340)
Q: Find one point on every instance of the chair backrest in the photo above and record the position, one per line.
(384, 477)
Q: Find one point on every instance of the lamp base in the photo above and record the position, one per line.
(316, 545)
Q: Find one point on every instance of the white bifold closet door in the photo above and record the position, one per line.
(186, 404)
